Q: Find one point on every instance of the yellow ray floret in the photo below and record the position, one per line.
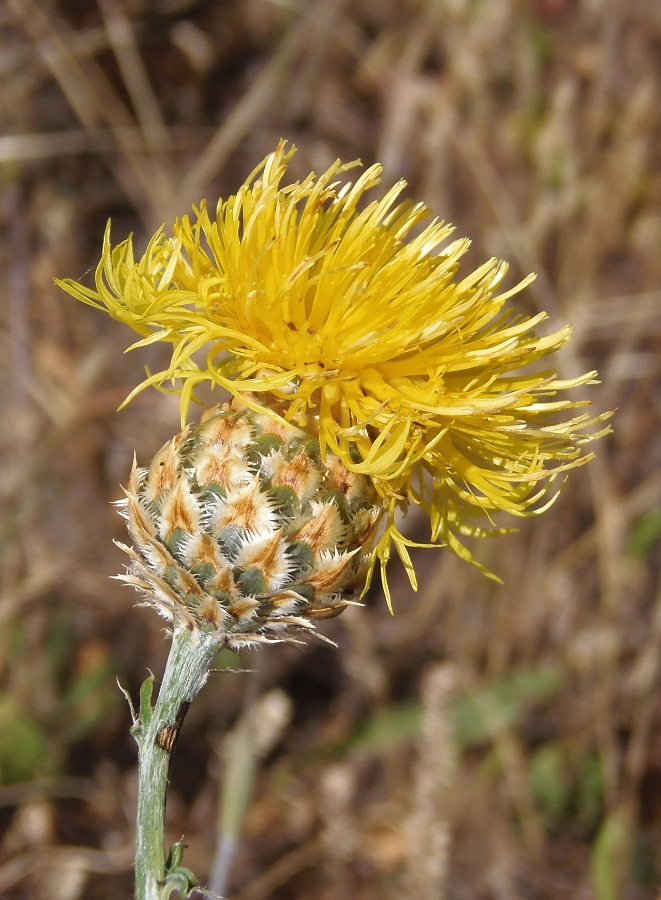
(345, 318)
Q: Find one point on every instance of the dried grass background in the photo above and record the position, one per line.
(486, 742)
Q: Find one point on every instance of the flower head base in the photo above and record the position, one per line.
(336, 317)
(240, 531)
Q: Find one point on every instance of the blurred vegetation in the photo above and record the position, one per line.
(489, 741)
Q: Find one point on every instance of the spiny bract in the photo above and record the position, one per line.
(240, 529)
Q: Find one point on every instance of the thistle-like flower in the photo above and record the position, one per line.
(366, 376)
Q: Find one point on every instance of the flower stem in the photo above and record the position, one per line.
(156, 731)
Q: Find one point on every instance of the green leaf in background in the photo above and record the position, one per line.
(89, 701)
(388, 728)
(24, 746)
(645, 863)
(590, 792)
(478, 716)
(550, 779)
(488, 711)
(608, 854)
(645, 533)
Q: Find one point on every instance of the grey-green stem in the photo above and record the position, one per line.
(187, 669)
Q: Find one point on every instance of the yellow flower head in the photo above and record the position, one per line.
(323, 310)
